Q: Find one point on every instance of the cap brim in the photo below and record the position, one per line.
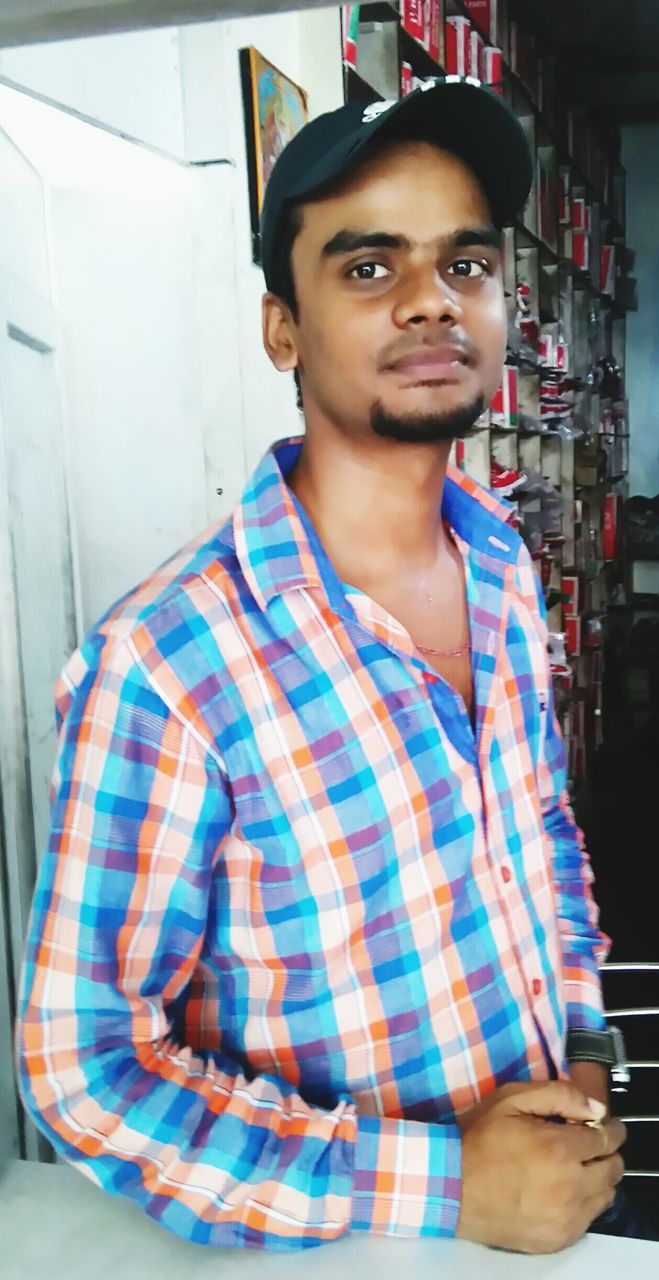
(463, 116)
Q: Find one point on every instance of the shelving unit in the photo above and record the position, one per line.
(566, 276)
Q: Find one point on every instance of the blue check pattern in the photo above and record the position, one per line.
(296, 914)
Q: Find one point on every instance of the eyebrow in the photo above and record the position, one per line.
(347, 241)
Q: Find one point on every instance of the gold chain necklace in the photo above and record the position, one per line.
(441, 653)
(446, 653)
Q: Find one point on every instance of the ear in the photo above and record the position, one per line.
(279, 338)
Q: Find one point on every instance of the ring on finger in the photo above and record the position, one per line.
(601, 1129)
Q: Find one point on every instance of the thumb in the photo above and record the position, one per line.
(555, 1098)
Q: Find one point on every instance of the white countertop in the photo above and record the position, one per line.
(55, 1225)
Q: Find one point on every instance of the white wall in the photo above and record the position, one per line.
(640, 156)
(23, 238)
(305, 47)
(168, 393)
(129, 83)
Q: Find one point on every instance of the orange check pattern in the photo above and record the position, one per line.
(296, 913)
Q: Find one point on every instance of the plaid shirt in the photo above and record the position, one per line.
(296, 914)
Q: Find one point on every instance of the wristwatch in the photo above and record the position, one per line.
(606, 1047)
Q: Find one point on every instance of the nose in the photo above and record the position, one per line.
(425, 297)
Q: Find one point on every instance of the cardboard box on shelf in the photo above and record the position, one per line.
(493, 68)
(349, 29)
(570, 588)
(504, 410)
(406, 79)
(476, 54)
(491, 18)
(413, 18)
(578, 214)
(482, 14)
(458, 33)
(433, 30)
(581, 249)
(573, 636)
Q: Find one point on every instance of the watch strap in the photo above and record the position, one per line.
(606, 1047)
(583, 1045)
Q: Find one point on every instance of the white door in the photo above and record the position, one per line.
(37, 633)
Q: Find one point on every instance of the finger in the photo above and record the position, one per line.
(586, 1142)
(554, 1098)
(601, 1175)
(600, 1203)
(603, 1200)
(611, 1137)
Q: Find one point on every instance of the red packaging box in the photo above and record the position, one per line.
(434, 29)
(546, 350)
(570, 587)
(579, 215)
(483, 16)
(406, 79)
(349, 15)
(573, 637)
(458, 31)
(505, 409)
(561, 355)
(493, 68)
(413, 18)
(581, 249)
(491, 18)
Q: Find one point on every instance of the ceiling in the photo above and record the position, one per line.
(608, 49)
(32, 21)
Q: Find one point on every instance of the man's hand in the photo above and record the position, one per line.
(530, 1185)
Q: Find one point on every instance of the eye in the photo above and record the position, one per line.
(369, 271)
(467, 269)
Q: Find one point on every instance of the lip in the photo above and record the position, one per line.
(428, 363)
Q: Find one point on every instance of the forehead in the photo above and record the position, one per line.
(402, 185)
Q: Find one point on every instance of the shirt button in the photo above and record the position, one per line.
(536, 986)
(506, 875)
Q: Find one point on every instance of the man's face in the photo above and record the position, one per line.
(401, 324)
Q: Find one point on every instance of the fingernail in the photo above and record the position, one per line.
(597, 1109)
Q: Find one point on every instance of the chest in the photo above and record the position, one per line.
(433, 609)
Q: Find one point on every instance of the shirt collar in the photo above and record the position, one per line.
(279, 549)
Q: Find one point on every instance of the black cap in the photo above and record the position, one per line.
(458, 114)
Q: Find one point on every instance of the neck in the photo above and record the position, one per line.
(376, 504)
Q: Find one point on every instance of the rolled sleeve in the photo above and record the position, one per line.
(407, 1178)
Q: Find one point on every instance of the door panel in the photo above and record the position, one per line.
(37, 633)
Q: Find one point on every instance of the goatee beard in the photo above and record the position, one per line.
(426, 428)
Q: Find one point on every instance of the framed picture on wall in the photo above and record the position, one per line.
(275, 110)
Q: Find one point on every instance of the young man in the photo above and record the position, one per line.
(314, 921)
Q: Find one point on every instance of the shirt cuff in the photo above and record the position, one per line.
(407, 1177)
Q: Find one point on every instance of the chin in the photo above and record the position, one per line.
(428, 423)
